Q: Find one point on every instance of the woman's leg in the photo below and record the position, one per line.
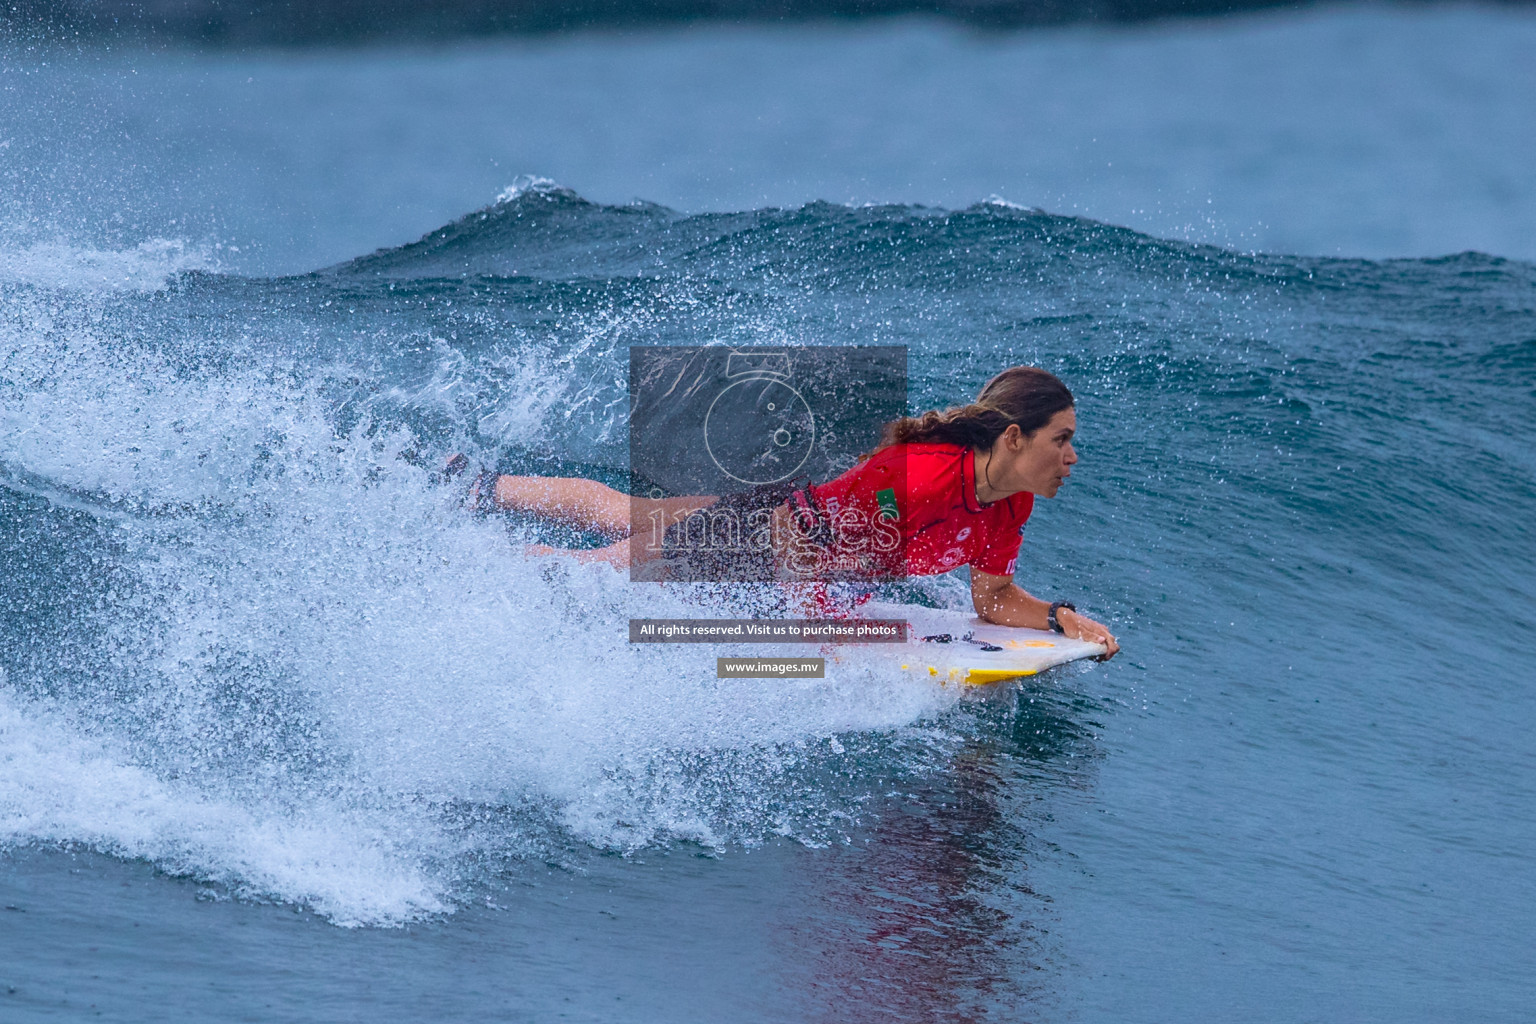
(584, 504)
(615, 554)
(619, 554)
(588, 504)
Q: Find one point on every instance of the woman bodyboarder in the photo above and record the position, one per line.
(946, 489)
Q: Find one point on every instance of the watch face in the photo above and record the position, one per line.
(759, 430)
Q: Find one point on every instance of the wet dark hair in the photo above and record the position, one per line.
(1026, 395)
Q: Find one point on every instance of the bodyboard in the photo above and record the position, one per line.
(964, 657)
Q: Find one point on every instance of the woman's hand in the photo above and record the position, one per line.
(998, 599)
(1081, 627)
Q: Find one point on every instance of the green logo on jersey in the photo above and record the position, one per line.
(887, 500)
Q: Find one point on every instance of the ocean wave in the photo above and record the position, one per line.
(544, 231)
(246, 637)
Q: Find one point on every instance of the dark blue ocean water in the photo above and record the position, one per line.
(284, 735)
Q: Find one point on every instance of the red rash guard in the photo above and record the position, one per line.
(911, 510)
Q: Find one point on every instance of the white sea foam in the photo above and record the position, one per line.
(144, 268)
(58, 786)
(319, 662)
(525, 183)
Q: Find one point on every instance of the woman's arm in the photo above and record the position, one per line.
(998, 599)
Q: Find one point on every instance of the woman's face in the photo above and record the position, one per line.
(1038, 463)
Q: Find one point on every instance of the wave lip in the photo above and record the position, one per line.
(535, 227)
(539, 229)
(534, 183)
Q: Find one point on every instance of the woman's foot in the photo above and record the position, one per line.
(457, 463)
(481, 495)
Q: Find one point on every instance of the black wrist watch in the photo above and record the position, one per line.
(1050, 616)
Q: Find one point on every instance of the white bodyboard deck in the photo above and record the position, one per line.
(1022, 652)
